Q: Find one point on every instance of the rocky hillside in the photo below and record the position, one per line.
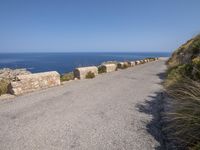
(182, 86)
(185, 53)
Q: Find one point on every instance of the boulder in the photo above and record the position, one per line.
(81, 72)
(33, 82)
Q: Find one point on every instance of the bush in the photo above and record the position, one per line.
(90, 75)
(4, 86)
(196, 68)
(67, 77)
(184, 119)
(177, 73)
(101, 69)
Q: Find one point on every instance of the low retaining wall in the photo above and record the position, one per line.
(81, 73)
(32, 82)
(109, 67)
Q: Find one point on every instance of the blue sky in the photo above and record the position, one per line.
(97, 25)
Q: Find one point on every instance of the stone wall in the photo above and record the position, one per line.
(110, 67)
(32, 82)
(81, 72)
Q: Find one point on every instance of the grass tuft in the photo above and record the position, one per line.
(184, 119)
(67, 77)
(101, 69)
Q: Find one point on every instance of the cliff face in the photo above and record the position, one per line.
(185, 53)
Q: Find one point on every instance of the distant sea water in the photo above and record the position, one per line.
(66, 62)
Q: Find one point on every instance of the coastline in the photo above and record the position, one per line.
(17, 82)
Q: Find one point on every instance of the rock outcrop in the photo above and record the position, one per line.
(32, 82)
(7, 73)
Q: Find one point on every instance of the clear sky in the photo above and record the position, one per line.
(97, 25)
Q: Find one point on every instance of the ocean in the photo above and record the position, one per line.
(66, 62)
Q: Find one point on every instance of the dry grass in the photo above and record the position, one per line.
(184, 118)
(4, 86)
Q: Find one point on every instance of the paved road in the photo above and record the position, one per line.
(97, 114)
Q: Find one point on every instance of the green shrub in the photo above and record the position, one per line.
(176, 74)
(90, 75)
(196, 68)
(4, 86)
(67, 77)
(101, 69)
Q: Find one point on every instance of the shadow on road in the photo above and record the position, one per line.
(154, 106)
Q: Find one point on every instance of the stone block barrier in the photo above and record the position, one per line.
(109, 67)
(131, 63)
(24, 83)
(137, 62)
(82, 72)
(33, 82)
(123, 65)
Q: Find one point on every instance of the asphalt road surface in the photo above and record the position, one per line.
(105, 113)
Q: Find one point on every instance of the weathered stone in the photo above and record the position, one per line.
(7, 73)
(81, 72)
(32, 82)
(142, 61)
(137, 62)
(123, 65)
(132, 63)
(120, 65)
(109, 67)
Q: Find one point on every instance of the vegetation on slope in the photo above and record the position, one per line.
(67, 77)
(4, 86)
(183, 86)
